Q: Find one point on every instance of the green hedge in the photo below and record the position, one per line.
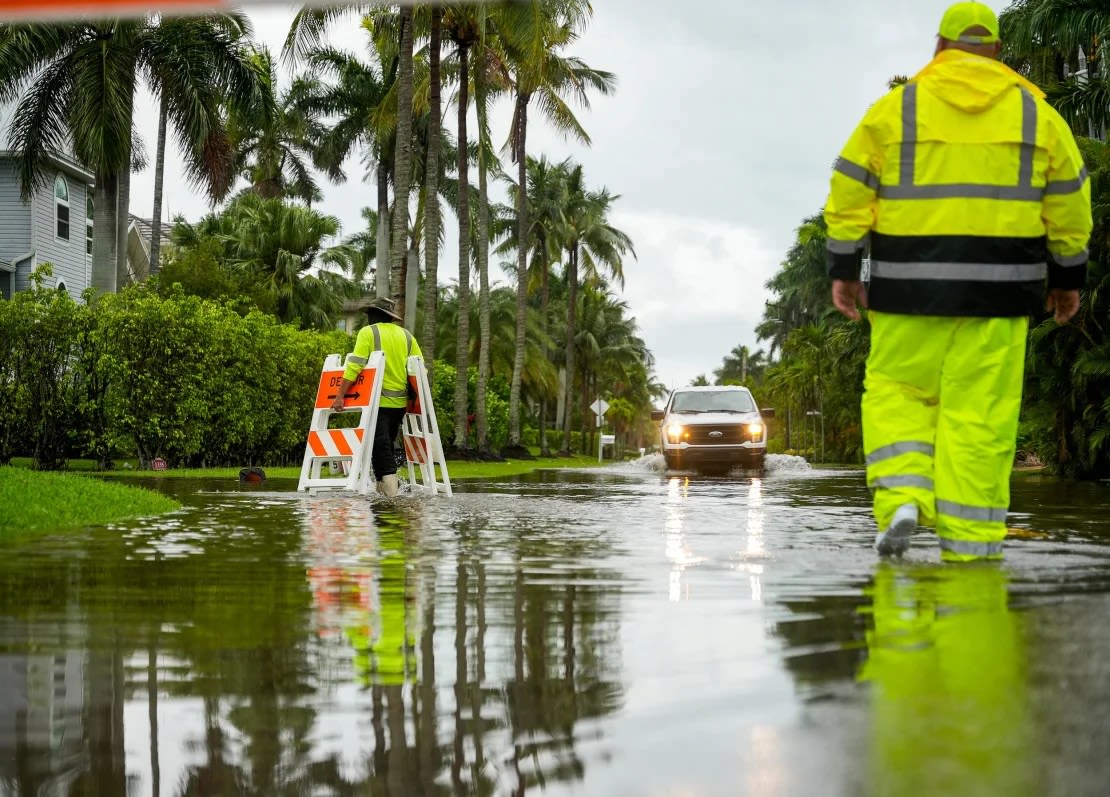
(140, 375)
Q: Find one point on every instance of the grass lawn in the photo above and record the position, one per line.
(457, 469)
(34, 500)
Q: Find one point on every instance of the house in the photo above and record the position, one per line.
(139, 236)
(53, 226)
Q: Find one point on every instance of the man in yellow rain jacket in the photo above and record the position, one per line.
(385, 335)
(969, 191)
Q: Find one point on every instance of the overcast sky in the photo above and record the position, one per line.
(727, 117)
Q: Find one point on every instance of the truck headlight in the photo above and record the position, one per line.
(755, 431)
(674, 432)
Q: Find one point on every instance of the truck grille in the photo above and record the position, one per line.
(706, 435)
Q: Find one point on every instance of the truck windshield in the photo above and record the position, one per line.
(713, 401)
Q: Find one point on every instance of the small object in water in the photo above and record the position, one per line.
(252, 475)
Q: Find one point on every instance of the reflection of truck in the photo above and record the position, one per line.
(712, 429)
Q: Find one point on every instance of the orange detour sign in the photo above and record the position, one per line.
(357, 396)
(423, 446)
(350, 447)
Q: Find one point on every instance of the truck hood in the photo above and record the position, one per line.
(712, 418)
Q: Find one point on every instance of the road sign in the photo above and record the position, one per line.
(600, 407)
(357, 396)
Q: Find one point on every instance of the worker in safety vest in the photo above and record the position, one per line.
(949, 700)
(385, 335)
(969, 191)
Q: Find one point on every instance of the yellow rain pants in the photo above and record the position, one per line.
(940, 413)
(949, 708)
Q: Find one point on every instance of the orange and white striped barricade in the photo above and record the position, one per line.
(420, 432)
(351, 447)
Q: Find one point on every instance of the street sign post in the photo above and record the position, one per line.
(600, 407)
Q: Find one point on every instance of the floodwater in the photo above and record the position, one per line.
(620, 631)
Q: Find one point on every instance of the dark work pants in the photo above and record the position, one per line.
(389, 424)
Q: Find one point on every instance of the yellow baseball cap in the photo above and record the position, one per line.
(961, 17)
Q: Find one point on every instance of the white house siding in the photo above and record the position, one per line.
(67, 256)
(15, 229)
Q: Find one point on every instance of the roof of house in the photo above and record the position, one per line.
(145, 228)
(62, 161)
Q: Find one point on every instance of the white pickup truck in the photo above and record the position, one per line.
(712, 429)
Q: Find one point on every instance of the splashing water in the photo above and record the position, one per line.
(782, 464)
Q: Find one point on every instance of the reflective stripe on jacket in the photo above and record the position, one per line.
(398, 344)
(969, 190)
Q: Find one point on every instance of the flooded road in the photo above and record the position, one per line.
(606, 632)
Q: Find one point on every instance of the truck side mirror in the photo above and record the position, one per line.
(657, 415)
(767, 412)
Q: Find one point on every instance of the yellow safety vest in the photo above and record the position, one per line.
(969, 190)
(398, 344)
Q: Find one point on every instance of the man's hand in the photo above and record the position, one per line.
(848, 296)
(337, 404)
(1065, 303)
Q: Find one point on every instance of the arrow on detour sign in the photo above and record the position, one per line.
(329, 388)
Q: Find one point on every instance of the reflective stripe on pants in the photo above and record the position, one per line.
(940, 412)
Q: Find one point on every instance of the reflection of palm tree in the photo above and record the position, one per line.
(944, 661)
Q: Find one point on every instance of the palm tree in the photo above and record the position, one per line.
(461, 26)
(547, 203)
(74, 85)
(210, 154)
(431, 189)
(402, 153)
(491, 76)
(741, 366)
(277, 245)
(1058, 44)
(594, 243)
(356, 93)
(535, 31)
(274, 136)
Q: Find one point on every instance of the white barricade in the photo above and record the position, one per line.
(420, 434)
(350, 447)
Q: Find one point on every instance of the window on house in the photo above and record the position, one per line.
(88, 221)
(61, 208)
(62, 287)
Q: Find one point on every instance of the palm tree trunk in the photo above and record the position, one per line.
(381, 255)
(431, 196)
(104, 233)
(412, 286)
(159, 174)
(482, 416)
(520, 141)
(402, 171)
(123, 220)
(462, 339)
(572, 322)
(545, 296)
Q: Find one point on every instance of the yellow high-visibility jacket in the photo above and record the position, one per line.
(969, 190)
(398, 344)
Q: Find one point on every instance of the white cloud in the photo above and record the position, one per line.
(696, 288)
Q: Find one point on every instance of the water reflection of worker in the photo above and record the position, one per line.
(383, 642)
(948, 695)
